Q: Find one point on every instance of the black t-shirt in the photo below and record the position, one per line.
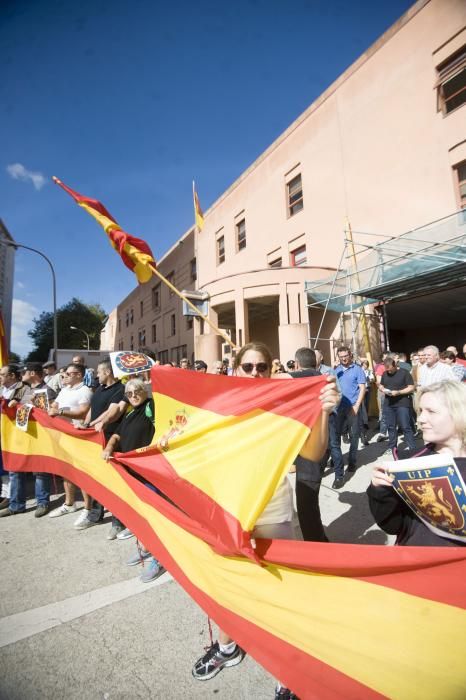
(101, 400)
(137, 427)
(297, 374)
(399, 380)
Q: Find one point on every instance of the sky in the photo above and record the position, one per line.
(128, 102)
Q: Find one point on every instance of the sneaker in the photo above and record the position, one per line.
(152, 571)
(214, 660)
(116, 529)
(6, 512)
(82, 517)
(365, 440)
(338, 483)
(4, 503)
(138, 558)
(282, 693)
(125, 534)
(84, 524)
(41, 510)
(63, 510)
(381, 437)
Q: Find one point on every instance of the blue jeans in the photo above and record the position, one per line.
(18, 490)
(335, 428)
(399, 416)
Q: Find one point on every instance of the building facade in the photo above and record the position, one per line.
(382, 150)
(7, 267)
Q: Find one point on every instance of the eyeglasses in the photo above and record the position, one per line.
(70, 374)
(130, 394)
(261, 367)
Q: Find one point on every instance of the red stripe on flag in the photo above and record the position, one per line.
(236, 396)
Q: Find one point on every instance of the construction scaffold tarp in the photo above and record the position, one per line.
(427, 258)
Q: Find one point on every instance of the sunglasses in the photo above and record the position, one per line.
(70, 374)
(130, 394)
(261, 367)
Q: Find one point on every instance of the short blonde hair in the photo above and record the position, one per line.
(453, 395)
(136, 385)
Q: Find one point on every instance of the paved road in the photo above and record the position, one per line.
(76, 622)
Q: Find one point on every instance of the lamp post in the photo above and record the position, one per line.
(73, 328)
(15, 245)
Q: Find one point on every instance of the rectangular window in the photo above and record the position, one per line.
(193, 270)
(141, 337)
(241, 234)
(171, 279)
(131, 316)
(154, 332)
(131, 343)
(163, 356)
(220, 250)
(156, 297)
(295, 195)
(127, 318)
(451, 83)
(276, 263)
(189, 323)
(172, 324)
(298, 257)
(141, 308)
(461, 175)
(119, 325)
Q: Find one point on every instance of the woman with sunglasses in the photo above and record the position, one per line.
(135, 430)
(254, 361)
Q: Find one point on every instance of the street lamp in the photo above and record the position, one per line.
(73, 328)
(13, 244)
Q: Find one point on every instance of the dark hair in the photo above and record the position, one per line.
(107, 363)
(34, 367)
(258, 347)
(344, 348)
(147, 351)
(78, 368)
(448, 355)
(306, 358)
(390, 359)
(200, 364)
(14, 369)
(290, 364)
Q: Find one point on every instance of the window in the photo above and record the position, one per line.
(127, 318)
(171, 279)
(156, 297)
(295, 195)
(276, 263)
(461, 175)
(131, 343)
(141, 337)
(451, 83)
(163, 357)
(193, 270)
(298, 256)
(131, 316)
(119, 325)
(172, 324)
(141, 308)
(220, 250)
(241, 234)
(189, 323)
(154, 332)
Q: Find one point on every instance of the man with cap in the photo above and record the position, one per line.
(33, 378)
(51, 376)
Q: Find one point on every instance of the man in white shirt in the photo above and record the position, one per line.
(433, 370)
(72, 403)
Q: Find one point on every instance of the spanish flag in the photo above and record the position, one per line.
(198, 214)
(330, 621)
(3, 343)
(135, 253)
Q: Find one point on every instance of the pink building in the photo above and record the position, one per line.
(382, 150)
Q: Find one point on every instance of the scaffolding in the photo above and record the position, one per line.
(373, 271)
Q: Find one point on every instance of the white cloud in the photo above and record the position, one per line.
(20, 285)
(18, 172)
(21, 322)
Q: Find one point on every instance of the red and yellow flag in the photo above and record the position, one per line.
(198, 214)
(3, 343)
(135, 253)
(329, 620)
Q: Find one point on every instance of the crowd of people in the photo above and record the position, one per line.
(425, 396)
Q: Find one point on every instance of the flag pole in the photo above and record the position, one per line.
(225, 337)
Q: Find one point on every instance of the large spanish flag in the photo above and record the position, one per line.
(330, 621)
(135, 253)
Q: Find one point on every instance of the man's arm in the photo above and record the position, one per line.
(362, 391)
(110, 415)
(316, 444)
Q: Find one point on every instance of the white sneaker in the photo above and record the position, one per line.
(82, 517)
(84, 524)
(63, 510)
(125, 534)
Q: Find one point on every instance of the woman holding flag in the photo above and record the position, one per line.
(254, 361)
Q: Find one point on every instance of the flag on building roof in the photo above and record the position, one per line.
(3, 343)
(328, 620)
(134, 252)
(198, 214)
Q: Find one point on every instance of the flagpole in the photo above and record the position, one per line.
(226, 338)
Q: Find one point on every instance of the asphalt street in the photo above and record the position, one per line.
(76, 622)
